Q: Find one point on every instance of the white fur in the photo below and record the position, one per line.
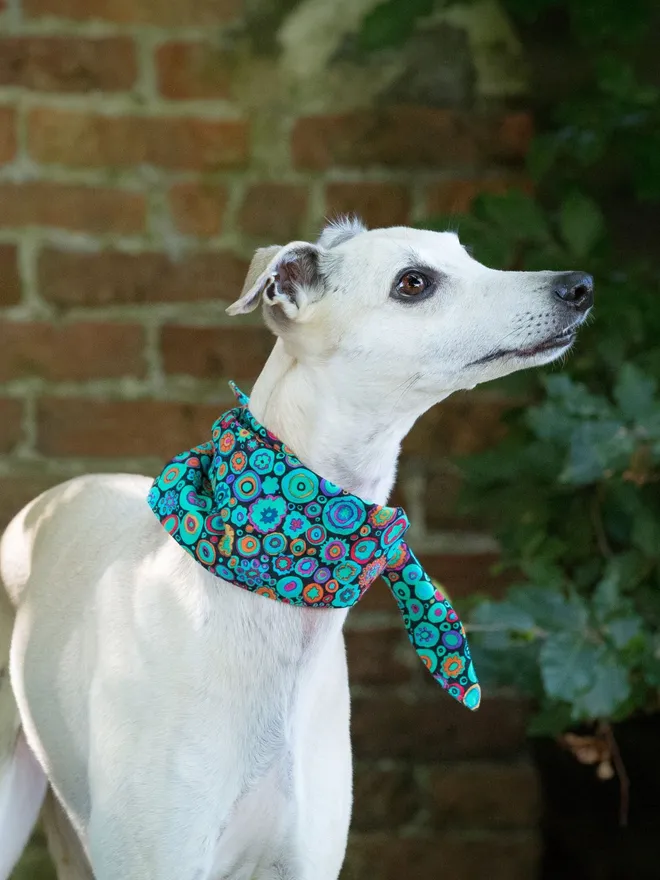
(189, 729)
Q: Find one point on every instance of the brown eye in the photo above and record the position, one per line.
(412, 284)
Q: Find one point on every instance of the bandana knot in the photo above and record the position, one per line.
(250, 512)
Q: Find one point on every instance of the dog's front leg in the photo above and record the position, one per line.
(172, 737)
(189, 714)
(157, 811)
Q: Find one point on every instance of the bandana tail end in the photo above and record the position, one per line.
(443, 649)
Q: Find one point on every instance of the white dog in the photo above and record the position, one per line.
(191, 730)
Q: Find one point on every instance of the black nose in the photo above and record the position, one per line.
(576, 289)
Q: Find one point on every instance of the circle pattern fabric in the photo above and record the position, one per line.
(250, 512)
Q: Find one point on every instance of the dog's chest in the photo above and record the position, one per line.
(262, 820)
(299, 665)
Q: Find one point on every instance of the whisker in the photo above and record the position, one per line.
(404, 388)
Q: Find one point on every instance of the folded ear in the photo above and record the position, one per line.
(286, 277)
(253, 286)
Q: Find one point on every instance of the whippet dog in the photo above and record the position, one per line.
(188, 729)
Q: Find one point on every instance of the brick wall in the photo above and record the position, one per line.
(146, 148)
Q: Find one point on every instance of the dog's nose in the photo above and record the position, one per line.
(576, 289)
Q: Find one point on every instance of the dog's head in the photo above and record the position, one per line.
(408, 305)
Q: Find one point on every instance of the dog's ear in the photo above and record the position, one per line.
(254, 281)
(287, 278)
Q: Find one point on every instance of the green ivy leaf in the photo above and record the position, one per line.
(502, 615)
(631, 566)
(646, 532)
(566, 663)
(576, 398)
(544, 569)
(652, 672)
(550, 720)
(492, 251)
(607, 597)
(514, 213)
(622, 630)
(497, 622)
(635, 393)
(581, 224)
(652, 662)
(608, 688)
(551, 422)
(610, 20)
(391, 23)
(596, 448)
(549, 609)
(488, 244)
(516, 667)
(542, 155)
(646, 168)
(616, 77)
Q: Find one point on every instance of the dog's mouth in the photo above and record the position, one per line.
(561, 340)
(556, 343)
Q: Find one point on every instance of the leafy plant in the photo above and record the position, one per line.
(579, 479)
(578, 476)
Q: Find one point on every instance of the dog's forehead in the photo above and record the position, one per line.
(400, 246)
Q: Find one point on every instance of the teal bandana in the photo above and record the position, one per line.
(251, 513)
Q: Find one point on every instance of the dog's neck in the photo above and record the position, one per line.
(333, 424)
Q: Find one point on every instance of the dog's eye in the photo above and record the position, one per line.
(412, 284)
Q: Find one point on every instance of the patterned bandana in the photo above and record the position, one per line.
(251, 513)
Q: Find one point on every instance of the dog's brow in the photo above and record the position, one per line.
(413, 258)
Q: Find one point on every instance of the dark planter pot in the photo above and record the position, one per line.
(582, 836)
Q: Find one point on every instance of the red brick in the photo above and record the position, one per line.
(70, 352)
(96, 428)
(462, 574)
(10, 282)
(164, 13)
(7, 134)
(442, 494)
(274, 210)
(484, 796)
(16, 491)
(11, 427)
(381, 656)
(461, 425)
(193, 70)
(513, 135)
(407, 136)
(378, 598)
(378, 204)
(386, 856)
(197, 208)
(466, 574)
(383, 798)
(68, 64)
(88, 209)
(457, 196)
(436, 728)
(88, 140)
(114, 278)
(212, 352)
